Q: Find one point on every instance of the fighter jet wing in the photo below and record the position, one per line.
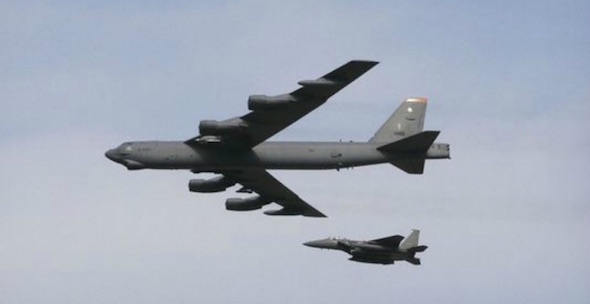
(271, 114)
(269, 188)
(392, 241)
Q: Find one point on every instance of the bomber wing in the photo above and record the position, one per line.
(271, 190)
(270, 114)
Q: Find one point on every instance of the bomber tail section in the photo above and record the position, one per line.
(402, 137)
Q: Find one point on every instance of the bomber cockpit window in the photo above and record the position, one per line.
(125, 148)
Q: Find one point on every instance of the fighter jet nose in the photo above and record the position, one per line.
(315, 244)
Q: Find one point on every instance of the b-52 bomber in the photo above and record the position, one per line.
(381, 251)
(237, 149)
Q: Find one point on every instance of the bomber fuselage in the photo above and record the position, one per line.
(267, 155)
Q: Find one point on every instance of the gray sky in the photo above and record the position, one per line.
(505, 220)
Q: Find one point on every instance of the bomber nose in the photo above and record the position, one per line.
(110, 154)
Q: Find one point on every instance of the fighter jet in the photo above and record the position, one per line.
(237, 149)
(381, 251)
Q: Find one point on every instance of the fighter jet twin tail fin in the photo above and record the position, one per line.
(410, 245)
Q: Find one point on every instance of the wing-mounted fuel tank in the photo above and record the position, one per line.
(245, 204)
(214, 127)
(264, 102)
(216, 184)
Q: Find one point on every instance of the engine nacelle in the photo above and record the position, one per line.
(264, 102)
(215, 184)
(245, 204)
(214, 127)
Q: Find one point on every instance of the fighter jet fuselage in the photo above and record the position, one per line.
(381, 251)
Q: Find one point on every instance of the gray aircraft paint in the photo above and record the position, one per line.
(237, 147)
(380, 251)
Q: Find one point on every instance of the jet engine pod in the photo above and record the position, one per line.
(245, 204)
(215, 184)
(264, 102)
(214, 127)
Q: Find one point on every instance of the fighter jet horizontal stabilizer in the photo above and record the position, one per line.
(418, 249)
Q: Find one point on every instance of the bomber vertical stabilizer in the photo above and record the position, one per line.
(407, 120)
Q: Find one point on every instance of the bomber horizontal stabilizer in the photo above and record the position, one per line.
(420, 142)
(411, 166)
